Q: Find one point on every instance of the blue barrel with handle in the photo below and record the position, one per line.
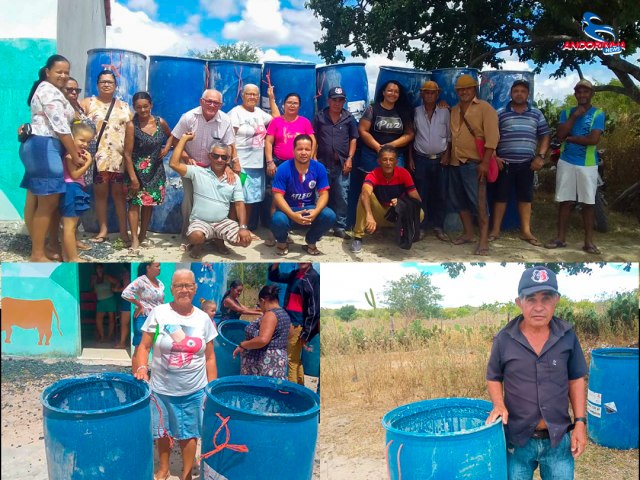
(176, 85)
(410, 78)
(230, 334)
(311, 357)
(98, 426)
(445, 438)
(230, 76)
(352, 77)
(290, 77)
(130, 69)
(259, 428)
(446, 80)
(612, 398)
(495, 86)
(167, 217)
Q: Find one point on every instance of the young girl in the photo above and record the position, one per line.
(209, 307)
(75, 200)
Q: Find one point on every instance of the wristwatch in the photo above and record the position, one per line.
(580, 419)
(244, 227)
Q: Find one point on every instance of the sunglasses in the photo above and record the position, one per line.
(212, 103)
(216, 156)
(72, 90)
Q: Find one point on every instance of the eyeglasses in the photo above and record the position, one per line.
(106, 82)
(216, 156)
(186, 286)
(212, 103)
(292, 104)
(251, 95)
(72, 90)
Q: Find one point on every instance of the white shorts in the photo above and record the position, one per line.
(254, 185)
(225, 229)
(576, 183)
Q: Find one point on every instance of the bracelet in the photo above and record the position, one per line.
(269, 162)
(142, 366)
(243, 227)
(541, 155)
(580, 419)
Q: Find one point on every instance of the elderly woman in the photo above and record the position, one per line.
(41, 154)
(264, 352)
(109, 158)
(250, 125)
(181, 337)
(230, 306)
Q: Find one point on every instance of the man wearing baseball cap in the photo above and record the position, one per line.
(535, 369)
(337, 133)
(579, 130)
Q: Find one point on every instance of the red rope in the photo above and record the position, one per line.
(162, 431)
(386, 455)
(268, 77)
(225, 444)
(206, 76)
(240, 85)
(319, 90)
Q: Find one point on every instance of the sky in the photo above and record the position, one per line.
(343, 284)
(281, 29)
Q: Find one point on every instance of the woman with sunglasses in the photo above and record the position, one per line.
(109, 157)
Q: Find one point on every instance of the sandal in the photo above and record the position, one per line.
(591, 248)
(440, 235)
(481, 251)
(555, 244)
(532, 241)
(311, 250)
(83, 247)
(134, 252)
(282, 251)
(461, 241)
(146, 243)
(493, 238)
(98, 239)
(270, 242)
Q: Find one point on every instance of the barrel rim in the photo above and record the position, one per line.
(403, 69)
(230, 320)
(171, 57)
(454, 68)
(290, 64)
(256, 380)
(507, 71)
(607, 352)
(343, 64)
(392, 414)
(95, 50)
(234, 62)
(66, 382)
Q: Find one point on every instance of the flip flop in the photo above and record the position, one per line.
(440, 235)
(493, 238)
(98, 239)
(134, 251)
(311, 250)
(591, 248)
(147, 242)
(270, 242)
(83, 247)
(555, 244)
(532, 241)
(282, 251)
(461, 241)
(481, 251)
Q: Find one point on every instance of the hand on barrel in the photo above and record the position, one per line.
(498, 411)
(578, 439)
(237, 351)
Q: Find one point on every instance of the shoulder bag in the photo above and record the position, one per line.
(492, 173)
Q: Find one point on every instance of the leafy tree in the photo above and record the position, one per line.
(470, 33)
(241, 51)
(454, 269)
(346, 313)
(413, 296)
(253, 275)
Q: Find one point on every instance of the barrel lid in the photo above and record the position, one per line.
(181, 59)
(235, 62)
(291, 64)
(114, 50)
(453, 69)
(615, 353)
(392, 68)
(523, 72)
(344, 64)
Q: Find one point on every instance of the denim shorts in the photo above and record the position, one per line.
(75, 201)
(107, 305)
(555, 463)
(181, 415)
(463, 188)
(137, 329)
(42, 160)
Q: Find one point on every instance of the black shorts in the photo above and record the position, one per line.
(519, 175)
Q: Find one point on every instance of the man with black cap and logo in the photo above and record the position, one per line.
(337, 132)
(535, 369)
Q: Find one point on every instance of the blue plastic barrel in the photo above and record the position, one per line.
(446, 80)
(290, 77)
(495, 86)
(230, 334)
(167, 217)
(230, 77)
(311, 358)
(410, 78)
(176, 85)
(352, 77)
(90, 221)
(98, 426)
(270, 425)
(445, 438)
(129, 67)
(612, 398)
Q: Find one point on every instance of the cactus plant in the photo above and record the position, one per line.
(371, 301)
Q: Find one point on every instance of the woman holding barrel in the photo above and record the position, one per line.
(264, 351)
(181, 337)
(41, 153)
(230, 306)
(109, 158)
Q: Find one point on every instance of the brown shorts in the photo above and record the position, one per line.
(108, 177)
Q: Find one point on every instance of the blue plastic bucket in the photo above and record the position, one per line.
(612, 398)
(311, 358)
(130, 69)
(495, 86)
(176, 85)
(167, 217)
(352, 77)
(445, 438)
(273, 423)
(290, 77)
(98, 426)
(230, 334)
(90, 221)
(410, 78)
(446, 80)
(230, 77)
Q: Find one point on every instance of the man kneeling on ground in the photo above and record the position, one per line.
(380, 192)
(213, 195)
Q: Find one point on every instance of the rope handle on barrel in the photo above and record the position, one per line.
(225, 444)
(386, 454)
(240, 85)
(206, 76)
(319, 90)
(111, 66)
(162, 431)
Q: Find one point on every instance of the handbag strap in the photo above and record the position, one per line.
(466, 122)
(104, 124)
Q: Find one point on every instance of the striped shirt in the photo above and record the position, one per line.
(519, 133)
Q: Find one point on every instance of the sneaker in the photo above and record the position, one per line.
(356, 245)
(341, 233)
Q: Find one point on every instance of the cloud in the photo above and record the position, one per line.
(222, 9)
(150, 7)
(271, 55)
(39, 20)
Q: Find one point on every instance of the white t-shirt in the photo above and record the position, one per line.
(178, 363)
(252, 128)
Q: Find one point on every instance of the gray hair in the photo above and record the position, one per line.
(212, 90)
(221, 146)
(182, 271)
(250, 85)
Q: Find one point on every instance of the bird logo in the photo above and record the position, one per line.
(596, 30)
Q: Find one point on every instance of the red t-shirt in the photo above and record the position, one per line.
(386, 189)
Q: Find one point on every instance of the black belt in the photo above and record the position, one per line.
(540, 434)
(437, 156)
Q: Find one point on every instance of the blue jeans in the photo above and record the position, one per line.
(555, 463)
(281, 224)
(339, 193)
(431, 182)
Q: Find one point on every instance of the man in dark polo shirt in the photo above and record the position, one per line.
(535, 369)
(380, 191)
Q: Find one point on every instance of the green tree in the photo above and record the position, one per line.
(346, 313)
(470, 33)
(413, 296)
(454, 269)
(241, 51)
(253, 275)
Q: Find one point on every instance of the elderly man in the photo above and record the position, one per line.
(535, 369)
(471, 118)
(430, 156)
(214, 195)
(381, 189)
(579, 130)
(524, 141)
(337, 133)
(301, 194)
(210, 126)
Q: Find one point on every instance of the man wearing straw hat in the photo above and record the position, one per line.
(535, 369)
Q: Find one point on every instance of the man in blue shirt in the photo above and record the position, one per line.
(300, 195)
(519, 156)
(579, 130)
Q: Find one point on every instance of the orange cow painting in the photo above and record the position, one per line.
(29, 314)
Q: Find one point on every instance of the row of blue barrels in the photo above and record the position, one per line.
(99, 426)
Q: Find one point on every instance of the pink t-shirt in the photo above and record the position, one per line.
(284, 132)
(67, 176)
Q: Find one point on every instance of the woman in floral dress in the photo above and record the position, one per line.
(144, 153)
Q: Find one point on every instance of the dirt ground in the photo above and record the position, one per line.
(620, 244)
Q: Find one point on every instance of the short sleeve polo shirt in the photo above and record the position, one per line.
(582, 155)
(212, 196)
(386, 189)
(299, 190)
